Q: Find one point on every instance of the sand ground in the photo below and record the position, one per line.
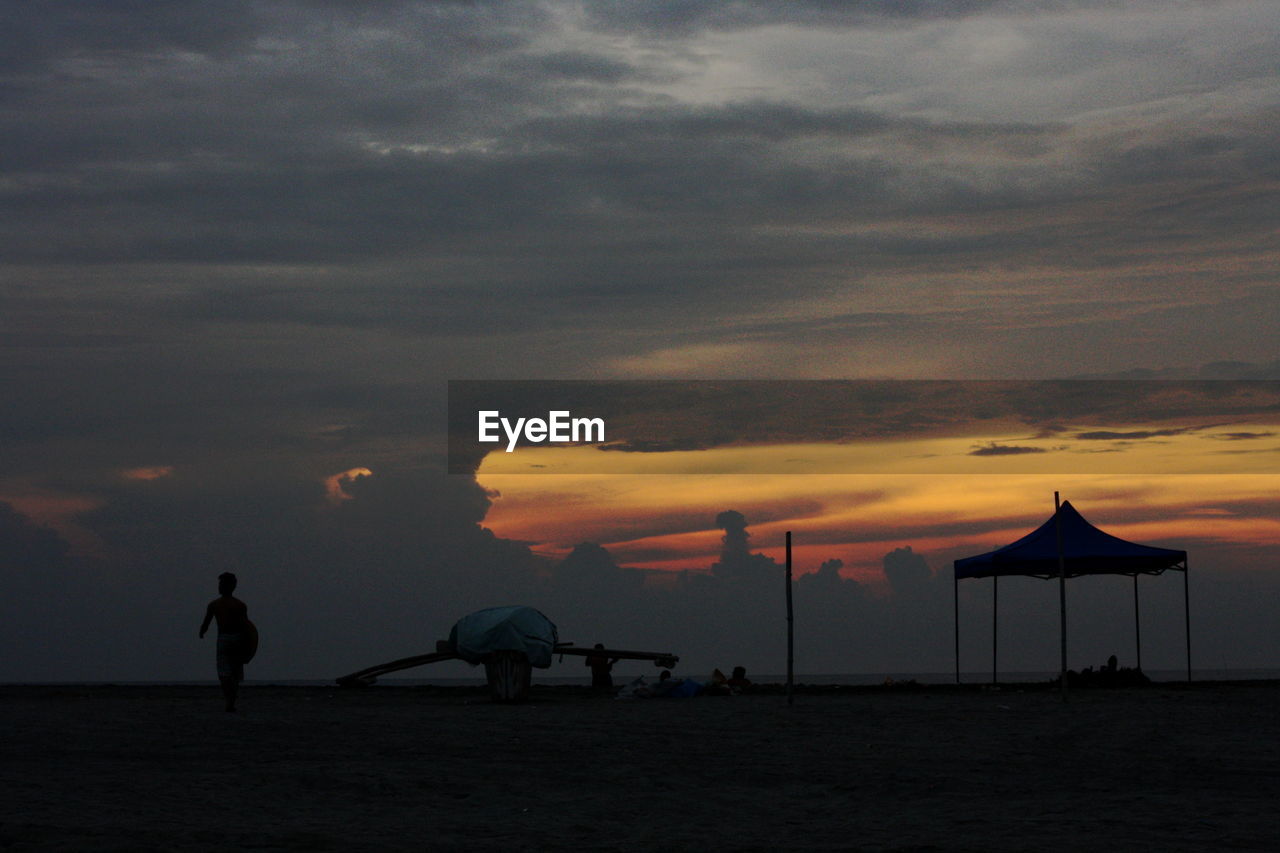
(309, 768)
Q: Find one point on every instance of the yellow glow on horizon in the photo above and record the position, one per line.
(667, 521)
(1004, 450)
(1164, 483)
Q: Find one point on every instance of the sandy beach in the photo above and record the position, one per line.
(309, 768)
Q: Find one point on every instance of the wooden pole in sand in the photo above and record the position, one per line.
(790, 628)
(1062, 592)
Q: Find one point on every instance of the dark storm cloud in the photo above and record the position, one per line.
(28, 547)
(1218, 370)
(1132, 435)
(642, 446)
(576, 65)
(657, 417)
(994, 449)
(684, 17)
(429, 152)
(430, 70)
(186, 410)
(292, 175)
(207, 191)
(32, 35)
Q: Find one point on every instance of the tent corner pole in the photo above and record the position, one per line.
(1186, 610)
(955, 598)
(1137, 625)
(790, 630)
(1062, 593)
(995, 624)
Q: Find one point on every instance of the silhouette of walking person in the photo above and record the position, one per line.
(233, 626)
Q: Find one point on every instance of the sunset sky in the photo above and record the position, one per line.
(244, 246)
(853, 466)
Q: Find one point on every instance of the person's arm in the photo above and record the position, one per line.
(208, 617)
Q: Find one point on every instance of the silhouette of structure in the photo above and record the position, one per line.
(509, 641)
(1068, 546)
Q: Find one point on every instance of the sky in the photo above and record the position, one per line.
(245, 246)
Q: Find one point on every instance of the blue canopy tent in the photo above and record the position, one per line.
(1068, 546)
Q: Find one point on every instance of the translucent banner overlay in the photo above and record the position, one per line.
(865, 427)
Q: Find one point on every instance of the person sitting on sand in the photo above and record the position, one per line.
(739, 678)
(717, 684)
(666, 684)
(601, 669)
(232, 616)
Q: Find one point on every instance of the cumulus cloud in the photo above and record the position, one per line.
(906, 570)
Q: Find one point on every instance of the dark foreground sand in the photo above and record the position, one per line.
(306, 768)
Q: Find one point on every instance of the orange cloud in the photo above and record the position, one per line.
(154, 472)
(335, 491)
(60, 513)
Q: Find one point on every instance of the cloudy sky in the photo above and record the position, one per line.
(243, 247)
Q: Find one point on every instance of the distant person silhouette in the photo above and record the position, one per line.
(739, 678)
(665, 684)
(233, 623)
(601, 669)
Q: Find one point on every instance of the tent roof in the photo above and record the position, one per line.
(1086, 550)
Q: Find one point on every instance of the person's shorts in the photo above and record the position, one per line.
(229, 664)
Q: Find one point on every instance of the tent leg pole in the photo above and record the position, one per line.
(790, 630)
(955, 598)
(1062, 594)
(1137, 626)
(1186, 611)
(995, 624)
(1062, 618)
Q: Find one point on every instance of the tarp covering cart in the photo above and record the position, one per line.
(509, 641)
